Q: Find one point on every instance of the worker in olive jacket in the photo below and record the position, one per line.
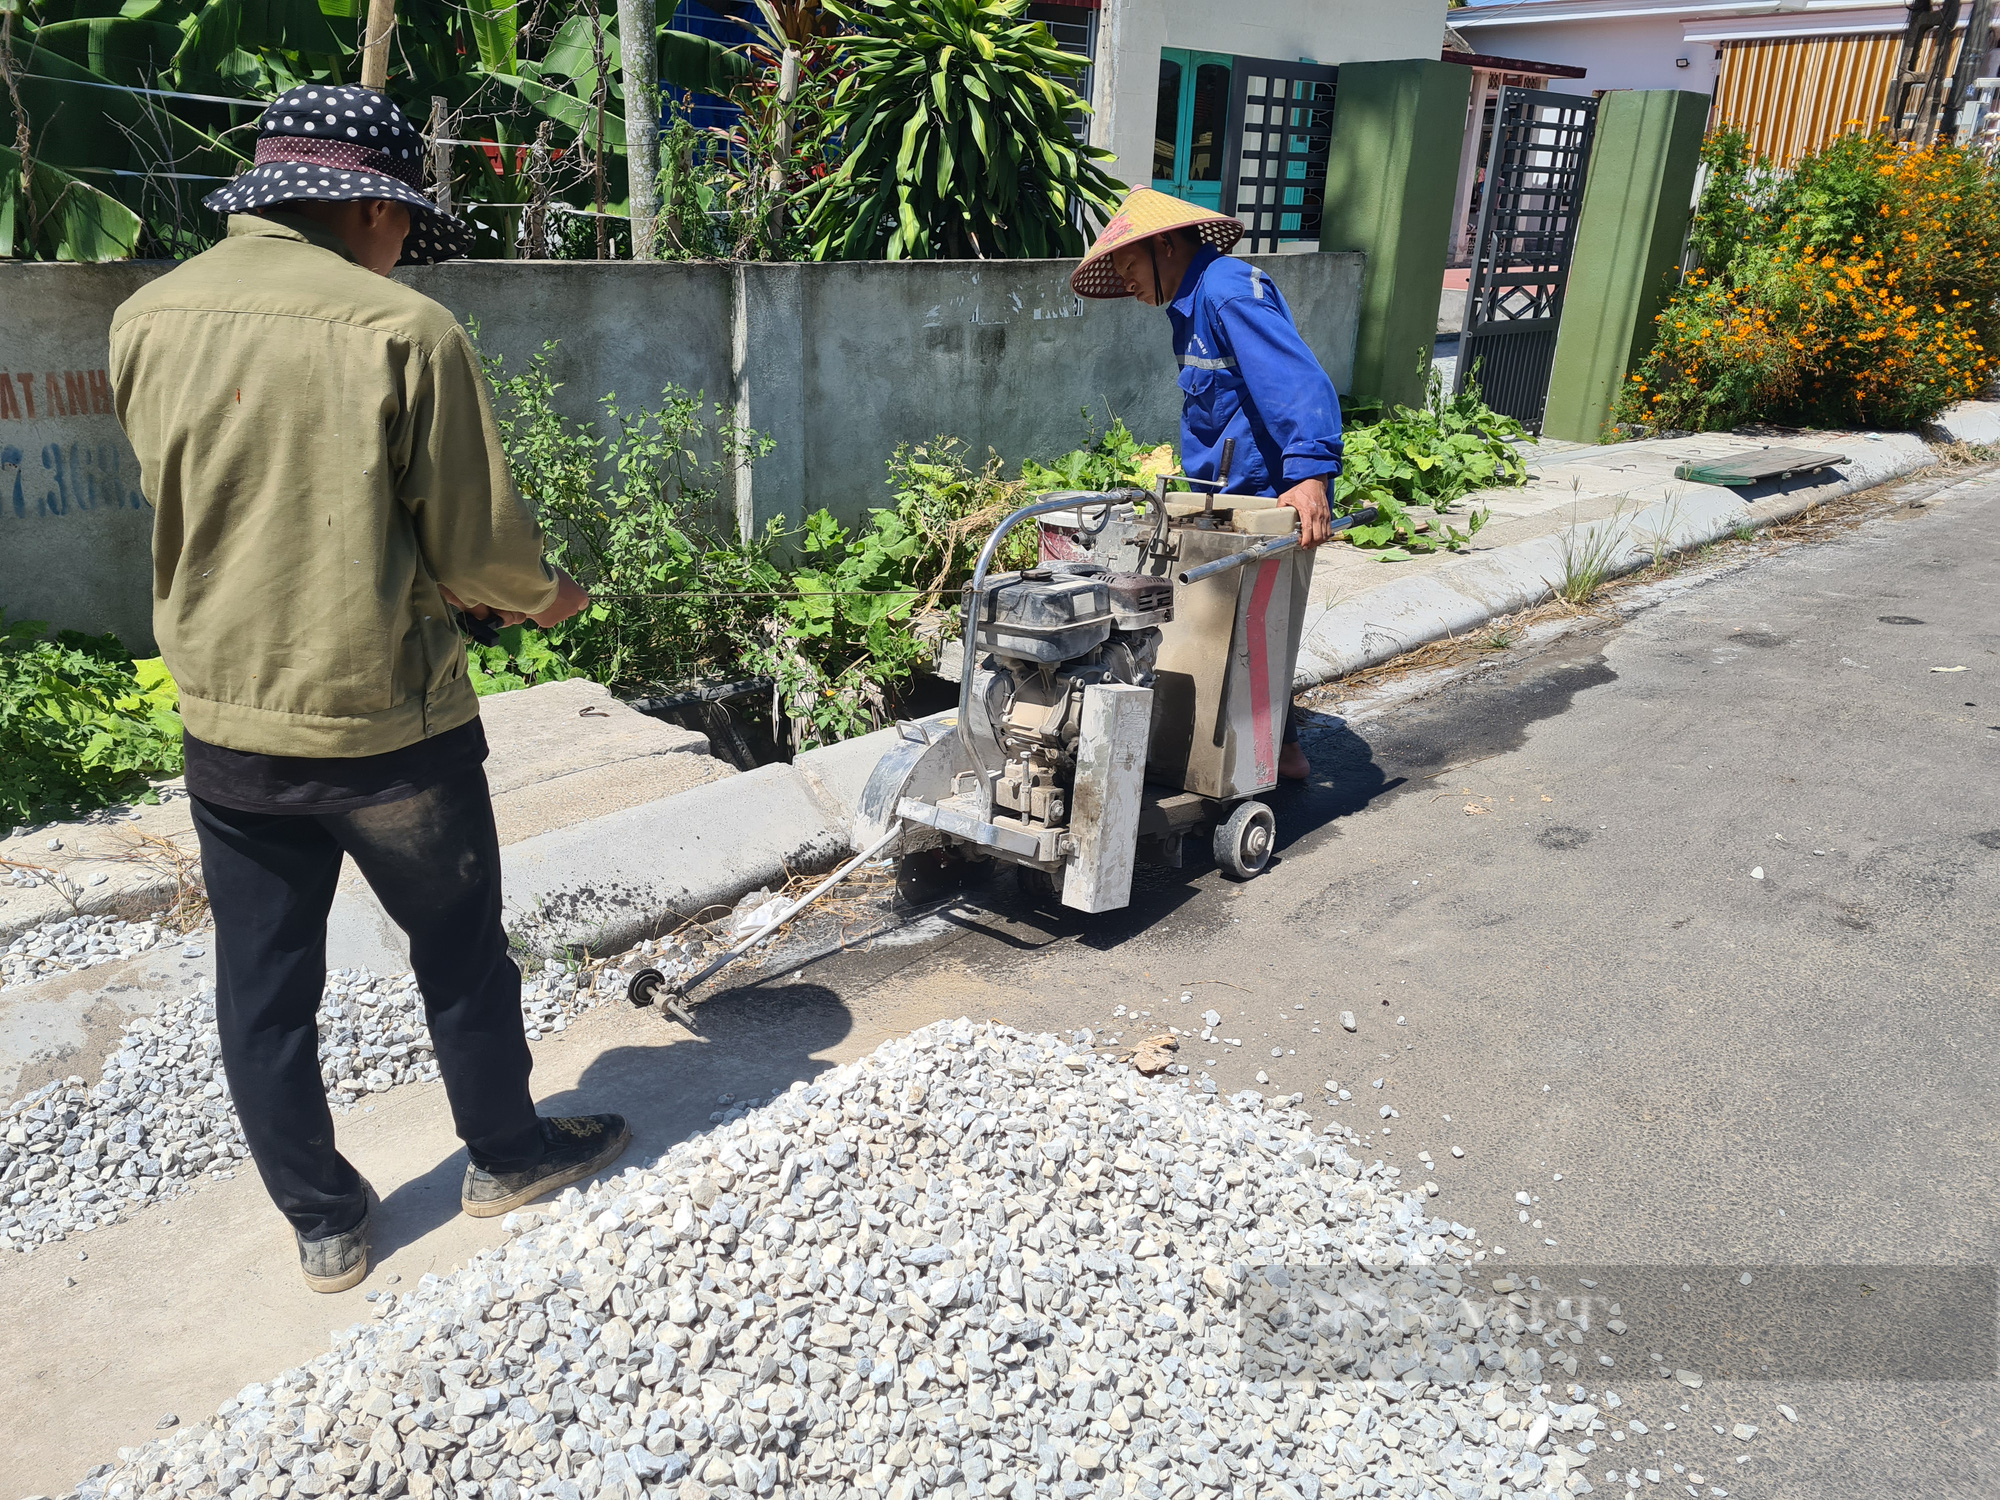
(317, 443)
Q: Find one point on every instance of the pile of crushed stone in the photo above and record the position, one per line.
(974, 1263)
(75, 943)
(76, 1156)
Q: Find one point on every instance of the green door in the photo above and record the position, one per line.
(1189, 129)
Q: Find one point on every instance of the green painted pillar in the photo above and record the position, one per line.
(1391, 177)
(1636, 206)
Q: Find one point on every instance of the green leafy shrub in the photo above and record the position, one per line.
(1431, 457)
(1107, 460)
(866, 613)
(632, 508)
(954, 123)
(523, 658)
(1861, 288)
(1735, 198)
(81, 723)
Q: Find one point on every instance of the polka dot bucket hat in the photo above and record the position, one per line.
(333, 143)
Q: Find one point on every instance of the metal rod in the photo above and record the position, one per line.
(974, 591)
(1241, 559)
(1268, 549)
(682, 986)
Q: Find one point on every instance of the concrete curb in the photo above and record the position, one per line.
(1975, 422)
(605, 884)
(1466, 591)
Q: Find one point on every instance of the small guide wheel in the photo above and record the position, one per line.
(644, 987)
(1243, 840)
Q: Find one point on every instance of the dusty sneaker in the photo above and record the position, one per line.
(574, 1148)
(339, 1261)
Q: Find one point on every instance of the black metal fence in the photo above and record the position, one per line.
(1533, 189)
(1274, 171)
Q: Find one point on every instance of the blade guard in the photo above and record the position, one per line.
(921, 764)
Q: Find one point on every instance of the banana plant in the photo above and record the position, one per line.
(54, 216)
(78, 78)
(956, 138)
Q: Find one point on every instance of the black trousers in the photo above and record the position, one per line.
(433, 860)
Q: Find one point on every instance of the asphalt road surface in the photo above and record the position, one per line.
(1685, 927)
(1538, 889)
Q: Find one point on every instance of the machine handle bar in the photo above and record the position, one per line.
(1269, 549)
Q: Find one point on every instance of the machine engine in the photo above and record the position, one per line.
(1046, 635)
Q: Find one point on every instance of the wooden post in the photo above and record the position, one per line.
(375, 44)
(600, 99)
(538, 195)
(440, 155)
(639, 56)
(781, 163)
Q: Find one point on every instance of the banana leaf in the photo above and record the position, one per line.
(114, 47)
(76, 121)
(572, 54)
(61, 218)
(494, 26)
(222, 26)
(566, 109)
(694, 62)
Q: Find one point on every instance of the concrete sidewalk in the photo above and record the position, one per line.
(562, 753)
(1622, 495)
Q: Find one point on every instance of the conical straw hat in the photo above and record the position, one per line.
(1146, 212)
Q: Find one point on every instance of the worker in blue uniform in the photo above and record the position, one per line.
(1245, 373)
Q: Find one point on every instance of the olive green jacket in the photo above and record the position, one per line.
(319, 448)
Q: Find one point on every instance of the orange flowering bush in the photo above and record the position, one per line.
(1860, 289)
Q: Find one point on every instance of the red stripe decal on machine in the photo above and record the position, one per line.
(1257, 630)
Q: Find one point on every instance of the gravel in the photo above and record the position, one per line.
(973, 1263)
(76, 1156)
(75, 943)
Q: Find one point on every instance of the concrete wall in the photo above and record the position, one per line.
(1623, 52)
(999, 353)
(75, 533)
(1131, 33)
(837, 363)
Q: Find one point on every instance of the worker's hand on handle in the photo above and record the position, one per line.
(481, 611)
(570, 598)
(1308, 498)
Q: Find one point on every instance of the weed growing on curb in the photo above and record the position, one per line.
(1659, 540)
(1588, 555)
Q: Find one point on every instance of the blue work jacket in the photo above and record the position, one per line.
(1246, 374)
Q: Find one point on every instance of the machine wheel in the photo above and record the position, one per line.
(1038, 885)
(645, 987)
(1243, 840)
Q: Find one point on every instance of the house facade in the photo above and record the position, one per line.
(1185, 92)
(1793, 74)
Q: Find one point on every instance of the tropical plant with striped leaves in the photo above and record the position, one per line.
(955, 138)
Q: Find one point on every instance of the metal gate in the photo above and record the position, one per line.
(1274, 172)
(1527, 228)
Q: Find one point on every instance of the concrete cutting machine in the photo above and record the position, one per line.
(1126, 694)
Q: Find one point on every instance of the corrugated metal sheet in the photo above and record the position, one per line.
(1794, 94)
